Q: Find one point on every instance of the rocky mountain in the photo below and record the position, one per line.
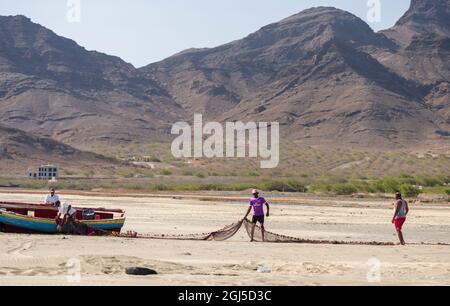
(20, 150)
(324, 74)
(213, 81)
(423, 55)
(51, 86)
(423, 39)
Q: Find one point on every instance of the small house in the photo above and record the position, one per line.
(45, 172)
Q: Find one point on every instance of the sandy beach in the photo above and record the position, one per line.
(70, 260)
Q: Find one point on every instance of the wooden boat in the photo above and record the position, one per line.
(36, 218)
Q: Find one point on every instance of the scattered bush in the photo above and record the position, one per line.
(67, 172)
(166, 172)
(430, 181)
(252, 174)
(390, 185)
(344, 189)
(188, 173)
(409, 190)
(159, 187)
(128, 174)
(320, 187)
(153, 159)
(289, 186)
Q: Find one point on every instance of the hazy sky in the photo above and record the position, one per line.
(145, 31)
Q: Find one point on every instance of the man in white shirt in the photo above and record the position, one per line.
(66, 215)
(51, 198)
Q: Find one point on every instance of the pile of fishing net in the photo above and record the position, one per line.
(231, 230)
(81, 229)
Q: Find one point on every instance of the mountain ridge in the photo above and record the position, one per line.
(323, 73)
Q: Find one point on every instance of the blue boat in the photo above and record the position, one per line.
(32, 218)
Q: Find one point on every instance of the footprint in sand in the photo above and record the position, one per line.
(17, 251)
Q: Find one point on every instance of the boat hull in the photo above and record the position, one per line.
(11, 222)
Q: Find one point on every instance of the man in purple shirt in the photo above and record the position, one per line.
(257, 203)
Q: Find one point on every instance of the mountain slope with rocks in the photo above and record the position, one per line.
(324, 74)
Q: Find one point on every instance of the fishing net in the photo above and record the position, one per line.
(78, 228)
(231, 230)
(276, 238)
(220, 235)
(227, 232)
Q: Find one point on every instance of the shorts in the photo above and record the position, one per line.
(399, 223)
(257, 219)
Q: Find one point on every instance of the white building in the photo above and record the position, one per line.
(45, 172)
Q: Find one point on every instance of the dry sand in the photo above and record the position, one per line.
(54, 260)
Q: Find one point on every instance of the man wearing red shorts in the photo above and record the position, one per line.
(400, 214)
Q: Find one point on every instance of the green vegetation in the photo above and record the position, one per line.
(166, 172)
(409, 187)
(409, 190)
(344, 189)
(283, 186)
(332, 171)
(331, 186)
(200, 175)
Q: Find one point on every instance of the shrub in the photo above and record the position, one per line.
(153, 159)
(251, 174)
(344, 189)
(67, 172)
(166, 172)
(363, 186)
(128, 174)
(320, 187)
(387, 185)
(188, 173)
(289, 186)
(409, 190)
(430, 181)
(159, 187)
(31, 184)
